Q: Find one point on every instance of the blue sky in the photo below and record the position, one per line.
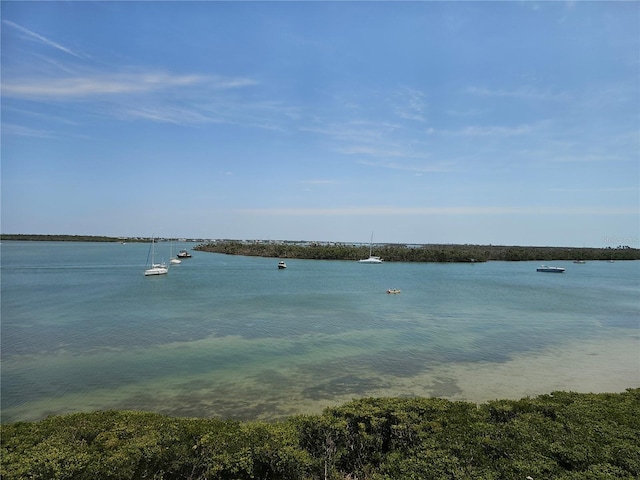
(424, 122)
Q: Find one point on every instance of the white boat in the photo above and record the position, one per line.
(371, 259)
(174, 261)
(184, 254)
(282, 265)
(393, 291)
(156, 268)
(548, 269)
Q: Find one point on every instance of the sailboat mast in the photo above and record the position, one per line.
(153, 251)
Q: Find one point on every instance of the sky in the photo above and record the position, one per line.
(505, 123)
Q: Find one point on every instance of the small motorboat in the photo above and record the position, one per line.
(282, 265)
(393, 291)
(548, 269)
(184, 254)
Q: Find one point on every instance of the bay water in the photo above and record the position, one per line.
(82, 329)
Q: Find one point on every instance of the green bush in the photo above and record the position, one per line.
(563, 436)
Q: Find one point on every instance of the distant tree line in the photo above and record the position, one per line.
(416, 253)
(564, 436)
(67, 238)
(79, 238)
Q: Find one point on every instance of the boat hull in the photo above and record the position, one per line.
(372, 260)
(546, 269)
(156, 270)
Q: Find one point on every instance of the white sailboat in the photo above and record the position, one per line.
(174, 261)
(371, 259)
(156, 268)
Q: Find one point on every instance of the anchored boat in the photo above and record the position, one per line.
(548, 269)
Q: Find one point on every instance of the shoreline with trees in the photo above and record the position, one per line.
(415, 253)
(389, 252)
(562, 435)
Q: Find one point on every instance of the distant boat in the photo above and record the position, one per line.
(184, 254)
(371, 258)
(393, 291)
(581, 262)
(156, 268)
(173, 261)
(546, 268)
(282, 265)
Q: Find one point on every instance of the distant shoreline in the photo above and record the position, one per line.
(83, 238)
(439, 253)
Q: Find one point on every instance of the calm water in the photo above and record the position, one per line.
(83, 329)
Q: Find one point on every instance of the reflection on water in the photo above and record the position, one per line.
(83, 329)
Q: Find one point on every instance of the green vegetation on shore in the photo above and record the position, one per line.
(562, 436)
(82, 238)
(389, 252)
(66, 238)
(416, 253)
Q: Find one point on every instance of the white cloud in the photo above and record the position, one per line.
(372, 151)
(320, 182)
(355, 131)
(19, 130)
(100, 85)
(524, 92)
(39, 38)
(410, 104)
(166, 114)
(487, 131)
(423, 168)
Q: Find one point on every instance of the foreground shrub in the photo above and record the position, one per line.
(562, 435)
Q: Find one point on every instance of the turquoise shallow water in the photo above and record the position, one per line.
(83, 329)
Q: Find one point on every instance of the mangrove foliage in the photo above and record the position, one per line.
(415, 253)
(562, 435)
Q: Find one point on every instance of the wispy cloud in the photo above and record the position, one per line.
(141, 95)
(100, 85)
(22, 131)
(522, 93)
(354, 131)
(39, 38)
(320, 182)
(410, 104)
(262, 114)
(421, 168)
(422, 211)
(486, 131)
(165, 114)
(373, 151)
(365, 138)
